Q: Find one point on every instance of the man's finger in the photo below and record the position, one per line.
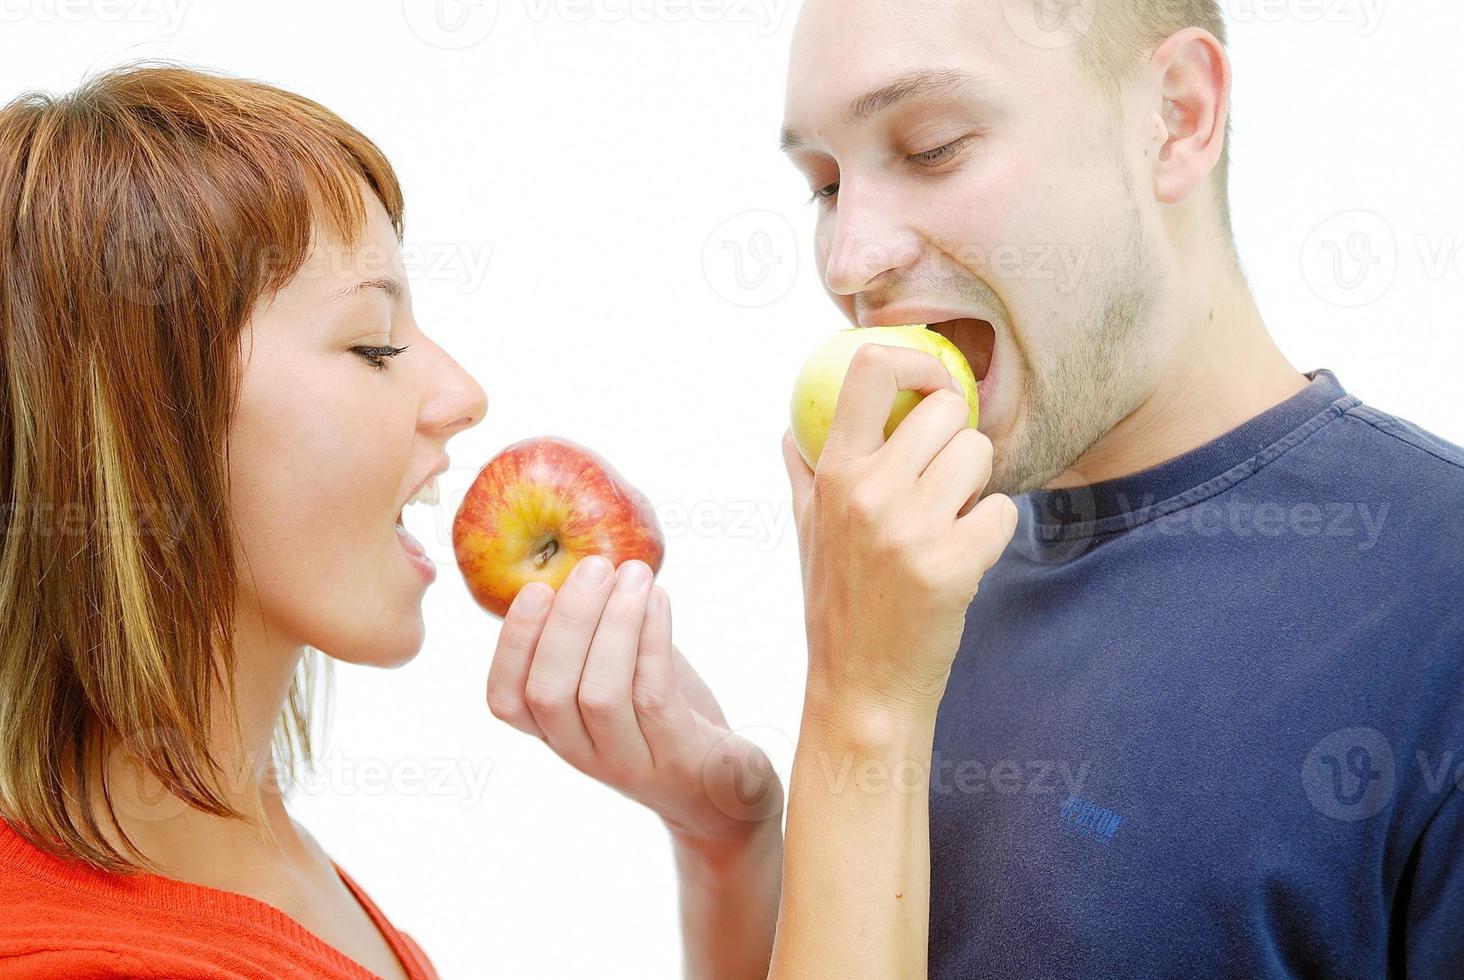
(925, 432)
(800, 477)
(876, 375)
(958, 473)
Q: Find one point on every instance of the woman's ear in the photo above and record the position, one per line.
(1193, 74)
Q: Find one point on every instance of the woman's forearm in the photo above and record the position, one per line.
(729, 903)
(856, 878)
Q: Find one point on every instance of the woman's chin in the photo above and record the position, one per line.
(390, 648)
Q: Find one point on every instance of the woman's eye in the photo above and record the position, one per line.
(377, 356)
(940, 154)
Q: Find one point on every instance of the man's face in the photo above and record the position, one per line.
(968, 178)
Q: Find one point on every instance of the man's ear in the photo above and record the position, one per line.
(1193, 75)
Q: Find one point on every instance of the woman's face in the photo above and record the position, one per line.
(327, 447)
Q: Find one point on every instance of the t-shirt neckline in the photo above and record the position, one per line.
(1125, 501)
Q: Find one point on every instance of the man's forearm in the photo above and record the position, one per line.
(856, 880)
(729, 903)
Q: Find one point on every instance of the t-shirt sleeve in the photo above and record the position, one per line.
(1433, 918)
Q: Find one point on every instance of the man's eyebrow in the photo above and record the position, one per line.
(915, 84)
(391, 287)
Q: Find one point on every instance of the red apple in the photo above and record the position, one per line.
(536, 509)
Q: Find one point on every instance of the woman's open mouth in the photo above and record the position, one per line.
(411, 547)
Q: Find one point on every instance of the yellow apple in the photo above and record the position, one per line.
(816, 391)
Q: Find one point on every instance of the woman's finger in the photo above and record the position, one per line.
(517, 641)
(552, 689)
(609, 674)
(664, 716)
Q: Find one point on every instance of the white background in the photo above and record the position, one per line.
(579, 177)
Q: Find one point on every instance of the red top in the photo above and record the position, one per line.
(62, 918)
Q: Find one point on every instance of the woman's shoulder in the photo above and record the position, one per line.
(48, 928)
(62, 918)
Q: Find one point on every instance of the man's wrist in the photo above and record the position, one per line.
(864, 717)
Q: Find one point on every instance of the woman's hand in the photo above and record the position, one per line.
(592, 671)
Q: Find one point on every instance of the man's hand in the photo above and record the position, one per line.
(893, 536)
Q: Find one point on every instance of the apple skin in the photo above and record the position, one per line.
(816, 391)
(534, 510)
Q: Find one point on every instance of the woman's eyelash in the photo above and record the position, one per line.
(940, 153)
(377, 356)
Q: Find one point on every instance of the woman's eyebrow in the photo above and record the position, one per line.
(391, 287)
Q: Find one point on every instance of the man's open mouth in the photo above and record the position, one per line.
(975, 339)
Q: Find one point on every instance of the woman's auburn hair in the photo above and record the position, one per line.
(142, 217)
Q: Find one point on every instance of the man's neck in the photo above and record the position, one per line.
(1226, 371)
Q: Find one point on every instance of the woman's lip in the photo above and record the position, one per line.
(416, 554)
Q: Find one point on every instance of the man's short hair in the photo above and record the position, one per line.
(1123, 34)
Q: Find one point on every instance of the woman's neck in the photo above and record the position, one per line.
(189, 844)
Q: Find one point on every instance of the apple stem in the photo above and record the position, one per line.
(545, 548)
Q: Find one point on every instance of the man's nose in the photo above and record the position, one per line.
(867, 239)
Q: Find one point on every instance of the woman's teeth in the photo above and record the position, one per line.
(427, 495)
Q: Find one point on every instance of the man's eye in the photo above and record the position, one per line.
(940, 154)
(825, 193)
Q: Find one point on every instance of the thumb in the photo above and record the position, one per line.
(800, 477)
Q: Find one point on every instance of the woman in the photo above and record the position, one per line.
(216, 404)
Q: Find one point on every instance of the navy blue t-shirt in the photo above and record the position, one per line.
(1206, 719)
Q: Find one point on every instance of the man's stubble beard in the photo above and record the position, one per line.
(1072, 399)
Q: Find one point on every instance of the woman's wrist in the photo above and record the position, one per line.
(715, 857)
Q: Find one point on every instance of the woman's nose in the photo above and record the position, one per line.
(456, 402)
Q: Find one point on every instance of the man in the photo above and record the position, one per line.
(1204, 716)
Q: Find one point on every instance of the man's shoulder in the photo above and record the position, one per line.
(1437, 459)
(1367, 454)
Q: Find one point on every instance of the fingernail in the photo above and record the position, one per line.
(592, 571)
(633, 575)
(653, 602)
(1011, 517)
(530, 601)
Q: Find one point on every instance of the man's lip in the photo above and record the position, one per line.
(908, 315)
